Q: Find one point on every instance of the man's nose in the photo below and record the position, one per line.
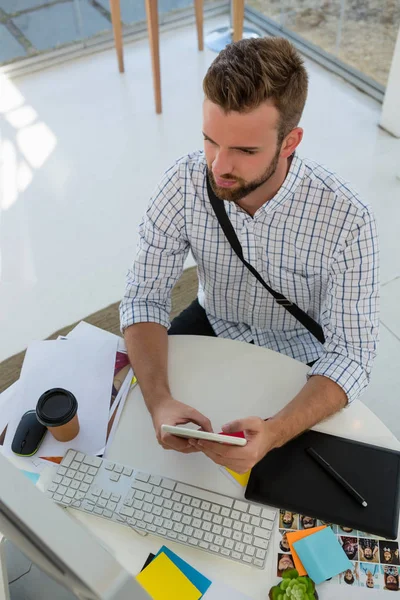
(222, 164)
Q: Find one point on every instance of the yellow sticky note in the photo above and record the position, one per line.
(164, 581)
(242, 479)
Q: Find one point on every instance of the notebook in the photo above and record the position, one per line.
(289, 478)
(322, 555)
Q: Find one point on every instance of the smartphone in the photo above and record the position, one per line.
(204, 435)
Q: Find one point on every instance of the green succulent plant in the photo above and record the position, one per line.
(293, 587)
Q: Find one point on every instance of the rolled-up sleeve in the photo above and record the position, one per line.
(162, 249)
(350, 318)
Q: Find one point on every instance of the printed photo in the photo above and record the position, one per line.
(285, 561)
(331, 525)
(283, 542)
(368, 550)
(350, 546)
(351, 576)
(370, 576)
(288, 520)
(346, 530)
(307, 522)
(390, 578)
(389, 552)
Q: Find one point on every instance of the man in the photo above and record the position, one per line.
(309, 236)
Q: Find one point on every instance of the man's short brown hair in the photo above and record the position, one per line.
(247, 73)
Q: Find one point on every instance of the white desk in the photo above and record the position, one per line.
(224, 380)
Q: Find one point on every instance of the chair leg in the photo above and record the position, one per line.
(198, 5)
(154, 39)
(117, 29)
(238, 18)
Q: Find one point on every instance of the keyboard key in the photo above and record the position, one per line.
(227, 522)
(66, 481)
(154, 480)
(126, 511)
(176, 497)
(66, 500)
(207, 516)
(204, 545)
(255, 510)
(111, 505)
(217, 519)
(88, 508)
(127, 471)
(84, 487)
(187, 510)
(137, 504)
(204, 495)
(219, 540)
(91, 471)
(107, 513)
(182, 537)
(157, 510)
(61, 470)
(75, 485)
(260, 543)
(96, 490)
(226, 532)
(147, 507)
(79, 476)
(237, 526)
(176, 516)
(239, 547)
(115, 497)
(268, 514)
(206, 526)
(225, 512)
(109, 466)
(79, 456)
(103, 503)
(75, 465)
(143, 487)
(196, 523)
(215, 509)
(57, 479)
(198, 534)
(114, 477)
(52, 487)
(178, 527)
(185, 499)
(193, 541)
(168, 484)
(166, 494)
(157, 491)
(148, 518)
(237, 536)
(142, 477)
(208, 537)
(168, 524)
(138, 514)
(248, 529)
(214, 548)
(106, 495)
(118, 469)
(97, 510)
(188, 530)
(225, 551)
(197, 513)
(250, 550)
(246, 558)
(79, 495)
(261, 533)
(216, 529)
(260, 553)
(158, 521)
(83, 468)
(205, 505)
(258, 562)
(168, 504)
(229, 543)
(88, 479)
(240, 506)
(57, 497)
(61, 489)
(167, 514)
(172, 534)
(186, 520)
(247, 539)
(245, 518)
(68, 458)
(236, 555)
(255, 521)
(265, 524)
(195, 502)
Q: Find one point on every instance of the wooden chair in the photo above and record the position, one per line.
(154, 39)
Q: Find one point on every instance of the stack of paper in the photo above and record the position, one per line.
(94, 366)
(168, 577)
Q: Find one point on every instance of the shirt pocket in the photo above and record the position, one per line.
(299, 289)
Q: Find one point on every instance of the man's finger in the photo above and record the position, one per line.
(249, 423)
(224, 450)
(196, 417)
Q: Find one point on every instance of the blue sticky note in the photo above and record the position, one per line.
(32, 476)
(199, 581)
(322, 555)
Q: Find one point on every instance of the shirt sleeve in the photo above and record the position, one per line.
(162, 249)
(350, 318)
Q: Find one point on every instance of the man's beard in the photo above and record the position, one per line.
(244, 188)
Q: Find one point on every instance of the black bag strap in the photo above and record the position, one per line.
(218, 205)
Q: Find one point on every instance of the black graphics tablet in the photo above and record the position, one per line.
(290, 479)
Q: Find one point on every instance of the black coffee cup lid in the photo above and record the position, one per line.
(56, 407)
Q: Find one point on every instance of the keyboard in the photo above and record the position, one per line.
(151, 504)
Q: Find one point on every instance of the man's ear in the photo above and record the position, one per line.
(291, 141)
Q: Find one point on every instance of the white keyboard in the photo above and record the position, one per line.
(227, 527)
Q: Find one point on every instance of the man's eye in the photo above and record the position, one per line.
(248, 151)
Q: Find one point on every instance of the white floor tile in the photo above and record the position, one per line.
(382, 395)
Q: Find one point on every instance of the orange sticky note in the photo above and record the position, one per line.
(294, 536)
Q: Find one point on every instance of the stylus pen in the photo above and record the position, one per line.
(329, 469)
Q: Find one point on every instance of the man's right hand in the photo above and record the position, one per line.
(171, 412)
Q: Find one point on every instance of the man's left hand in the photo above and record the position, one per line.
(260, 440)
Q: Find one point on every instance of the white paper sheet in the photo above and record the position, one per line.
(82, 366)
(8, 400)
(87, 331)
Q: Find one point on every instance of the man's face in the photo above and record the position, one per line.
(308, 522)
(287, 518)
(285, 563)
(368, 553)
(241, 149)
(391, 579)
(370, 580)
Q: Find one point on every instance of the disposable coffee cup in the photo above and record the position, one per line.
(57, 410)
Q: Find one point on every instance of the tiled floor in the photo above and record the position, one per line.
(28, 27)
(82, 149)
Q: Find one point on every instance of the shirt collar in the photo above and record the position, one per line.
(292, 181)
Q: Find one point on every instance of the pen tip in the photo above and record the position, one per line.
(364, 504)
